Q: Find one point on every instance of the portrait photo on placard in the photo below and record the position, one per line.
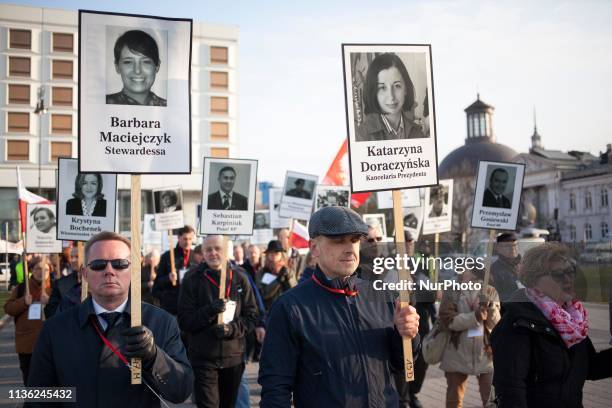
(298, 195)
(376, 221)
(136, 66)
(261, 220)
(498, 194)
(438, 204)
(412, 220)
(390, 116)
(85, 202)
(41, 229)
(168, 208)
(276, 221)
(328, 196)
(228, 196)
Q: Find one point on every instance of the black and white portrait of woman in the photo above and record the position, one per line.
(43, 220)
(88, 199)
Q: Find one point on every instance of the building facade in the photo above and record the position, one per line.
(39, 106)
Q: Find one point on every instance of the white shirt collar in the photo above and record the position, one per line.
(99, 309)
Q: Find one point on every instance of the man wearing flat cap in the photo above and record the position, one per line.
(504, 269)
(334, 341)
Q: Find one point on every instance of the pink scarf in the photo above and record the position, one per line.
(571, 321)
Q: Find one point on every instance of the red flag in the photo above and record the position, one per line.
(337, 175)
(26, 197)
(299, 235)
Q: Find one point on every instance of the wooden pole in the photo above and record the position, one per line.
(404, 275)
(58, 265)
(436, 255)
(135, 284)
(222, 276)
(172, 262)
(80, 261)
(26, 273)
(487, 274)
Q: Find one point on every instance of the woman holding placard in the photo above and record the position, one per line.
(88, 198)
(26, 308)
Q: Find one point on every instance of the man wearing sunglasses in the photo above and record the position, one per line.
(87, 346)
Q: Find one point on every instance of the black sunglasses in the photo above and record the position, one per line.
(100, 264)
(372, 240)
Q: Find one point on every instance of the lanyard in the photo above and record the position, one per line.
(108, 344)
(186, 257)
(345, 292)
(229, 286)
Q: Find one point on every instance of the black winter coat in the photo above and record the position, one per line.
(331, 350)
(162, 288)
(69, 353)
(533, 366)
(504, 277)
(196, 318)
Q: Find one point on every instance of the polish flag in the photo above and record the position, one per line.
(338, 175)
(299, 235)
(26, 197)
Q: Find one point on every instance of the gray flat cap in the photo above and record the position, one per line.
(334, 221)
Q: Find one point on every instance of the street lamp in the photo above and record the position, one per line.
(40, 110)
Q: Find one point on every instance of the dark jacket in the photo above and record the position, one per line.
(373, 129)
(73, 207)
(270, 292)
(162, 288)
(533, 366)
(66, 292)
(196, 318)
(69, 353)
(239, 202)
(504, 276)
(489, 200)
(331, 350)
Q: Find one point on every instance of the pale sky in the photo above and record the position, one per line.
(554, 55)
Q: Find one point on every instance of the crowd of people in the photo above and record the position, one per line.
(323, 337)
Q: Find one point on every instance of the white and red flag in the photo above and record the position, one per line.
(299, 235)
(338, 175)
(26, 197)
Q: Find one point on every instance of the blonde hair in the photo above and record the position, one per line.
(105, 236)
(538, 260)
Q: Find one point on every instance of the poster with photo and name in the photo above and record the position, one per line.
(328, 196)
(151, 237)
(262, 233)
(390, 116)
(228, 196)
(438, 205)
(376, 221)
(41, 228)
(276, 221)
(497, 199)
(168, 208)
(298, 195)
(85, 202)
(413, 220)
(134, 94)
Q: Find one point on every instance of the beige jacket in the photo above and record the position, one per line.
(470, 356)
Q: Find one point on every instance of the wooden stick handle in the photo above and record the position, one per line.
(487, 274)
(172, 261)
(58, 266)
(404, 275)
(135, 284)
(222, 276)
(80, 260)
(26, 273)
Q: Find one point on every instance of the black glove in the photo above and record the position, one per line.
(217, 306)
(222, 331)
(140, 343)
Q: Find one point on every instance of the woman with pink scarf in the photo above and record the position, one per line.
(542, 354)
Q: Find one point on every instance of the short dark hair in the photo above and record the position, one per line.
(105, 236)
(78, 185)
(185, 230)
(137, 41)
(299, 181)
(171, 194)
(499, 169)
(227, 168)
(370, 87)
(44, 209)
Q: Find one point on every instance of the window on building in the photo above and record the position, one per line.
(604, 197)
(19, 94)
(588, 200)
(18, 150)
(62, 69)
(61, 96)
(572, 231)
(60, 149)
(21, 39)
(62, 42)
(219, 55)
(219, 152)
(219, 104)
(61, 124)
(219, 130)
(219, 80)
(588, 232)
(19, 66)
(604, 229)
(572, 201)
(18, 122)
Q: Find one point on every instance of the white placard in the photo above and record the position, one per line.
(261, 236)
(390, 116)
(86, 202)
(230, 311)
(168, 208)
(327, 196)
(298, 195)
(438, 206)
(41, 229)
(151, 239)
(228, 196)
(376, 221)
(477, 331)
(35, 311)
(498, 195)
(134, 94)
(268, 278)
(413, 220)
(276, 221)
(411, 197)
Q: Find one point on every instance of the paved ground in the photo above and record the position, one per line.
(597, 394)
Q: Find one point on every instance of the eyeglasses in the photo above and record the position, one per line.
(100, 264)
(560, 275)
(372, 240)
